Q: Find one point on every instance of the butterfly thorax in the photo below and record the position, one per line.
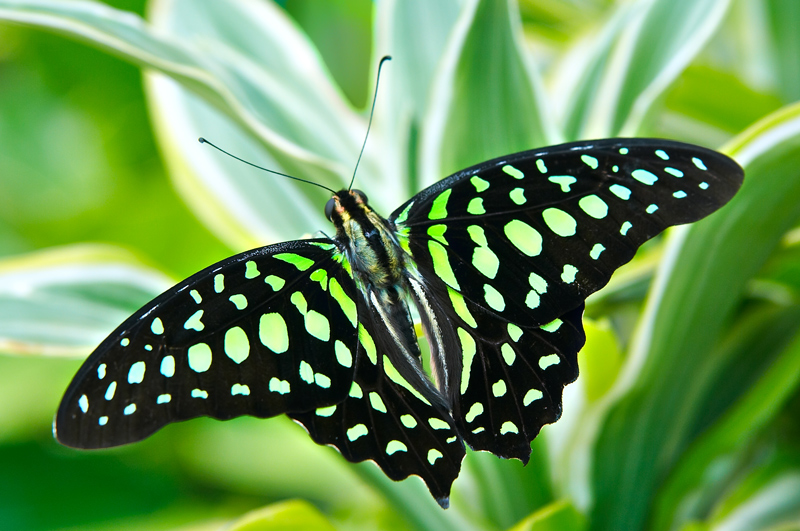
(369, 242)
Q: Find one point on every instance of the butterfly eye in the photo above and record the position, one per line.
(362, 195)
(329, 206)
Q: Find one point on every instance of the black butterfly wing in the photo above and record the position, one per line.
(265, 332)
(524, 239)
(386, 419)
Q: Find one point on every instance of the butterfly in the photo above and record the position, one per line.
(495, 262)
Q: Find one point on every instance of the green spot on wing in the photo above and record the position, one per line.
(523, 237)
(441, 264)
(593, 206)
(644, 177)
(475, 207)
(517, 195)
(199, 357)
(512, 171)
(273, 333)
(237, 345)
(251, 270)
(439, 206)
(345, 302)
(300, 262)
(468, 352)
(276, 283)
(460, 307)
(479, 184)
(620, 191)
(437, 233)
(564, 181)
(403, 216)
(560, 222)
(589, 161)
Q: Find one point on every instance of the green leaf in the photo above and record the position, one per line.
(488, 100)
(616, 77)
(293, 515)
(694, 295)
(64, 301)
(558, 516)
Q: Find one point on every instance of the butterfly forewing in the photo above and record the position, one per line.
(262, 333)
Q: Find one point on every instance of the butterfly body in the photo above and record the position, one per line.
(496, 261)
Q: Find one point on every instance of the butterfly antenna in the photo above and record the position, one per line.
(371, 112)
(204, 141)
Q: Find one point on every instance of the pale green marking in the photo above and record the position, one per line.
(404, 214)
(148, 347)
(343, 354)
(552, 326)
(651, 208)
(199, 393)
(193, 322)
(199, 357)
(508, 427)
(300, 262)
(102, 420)
(460, 307)
(660, 153)
(499, 388)
(346, 303)
(356, 391)
(560, 222)
(703, 186)
(468, 351)
(625, 228)
(680, 194)
(644, 177)
(517, 195)
(136, 373)
(674, 172)
(240, 389)
(433, 455)
(478, 430)
(130, 409)
(276, 283)
(441, 264)
(475, 206)
(538, 283)
(272, 333)
(568, 273)
(250, 270)
(321, 276)
(318, 325)
(615, 168)
(541, 166)
(438, 424)
(474, 411)
(395, 376)
(322, 380)
(368, 344)
(514, 332)
(512, 171)
(376, 402)
(299, 301)
(477, 235)
(101, 371)
(439, 206)
(325, 411)
(485, 261)
(219, 282)
(306, 372)
(620, 191)
(408, 421)
(479, 184)
(699, 163)
(564, 181)
(509, 356)
(623, 151)
(590, 161)
(237, 344)
(166, 398)
(594, 206)
(238, 300)
(493, 298)
(196, 296)
(279, 386)
(168, 366)
(547, 361)
(83, 403)
(532, 300)
(157, 327)
(531, 396)
(523, 237)
(596, 250)
(437, 233)
(359, 430)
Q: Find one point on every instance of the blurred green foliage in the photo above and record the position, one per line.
(686, 416)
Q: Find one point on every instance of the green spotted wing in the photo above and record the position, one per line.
(513, 247)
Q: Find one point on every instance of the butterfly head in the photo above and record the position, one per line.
(344, 204)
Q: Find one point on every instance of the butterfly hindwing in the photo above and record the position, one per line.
(262, 333)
